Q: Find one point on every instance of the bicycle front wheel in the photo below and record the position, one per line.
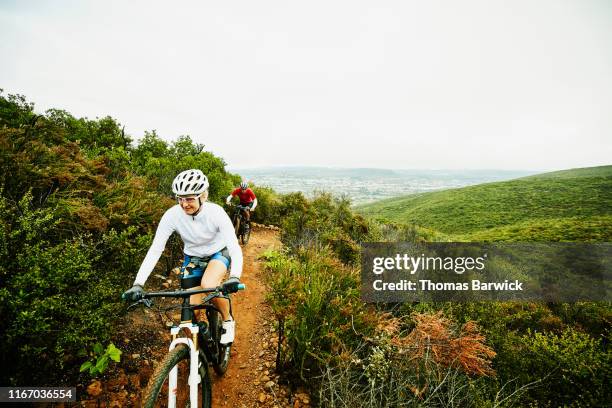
(236, 224)
(156, 394)
(222, 356)
(246, 234)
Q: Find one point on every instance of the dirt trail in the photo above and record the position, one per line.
(250, 380)
(239, 386)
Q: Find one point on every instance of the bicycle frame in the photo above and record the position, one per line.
(194, 375)
(188, 322)
(240, 217)
(239, 211)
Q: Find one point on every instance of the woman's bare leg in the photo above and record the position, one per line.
(213, 277)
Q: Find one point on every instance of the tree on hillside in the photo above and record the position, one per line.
(105, 133)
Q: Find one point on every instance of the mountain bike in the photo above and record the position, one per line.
(242, 227)
(190, 353)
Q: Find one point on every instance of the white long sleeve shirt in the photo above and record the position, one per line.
(204, 234)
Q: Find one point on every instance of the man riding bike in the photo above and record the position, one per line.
(210, 245)
(247, 199)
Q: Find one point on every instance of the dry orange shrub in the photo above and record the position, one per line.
(435, 337)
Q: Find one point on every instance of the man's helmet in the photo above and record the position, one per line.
(244, 185)
(190, 182)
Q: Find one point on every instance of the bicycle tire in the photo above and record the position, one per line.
(246, 234)
(153, 395)
(223, 350)
(237, 223)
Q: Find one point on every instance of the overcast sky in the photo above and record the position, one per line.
(392, 84)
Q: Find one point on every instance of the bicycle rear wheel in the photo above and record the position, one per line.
(223, 350)
(156, 394)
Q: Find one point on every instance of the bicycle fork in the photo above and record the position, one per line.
(194, 374)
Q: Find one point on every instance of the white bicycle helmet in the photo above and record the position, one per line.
(244, 185)
(190, 182)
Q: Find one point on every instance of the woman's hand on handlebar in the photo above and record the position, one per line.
(133, 294)
(231, 285)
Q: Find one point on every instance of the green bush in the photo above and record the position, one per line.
(328, 221)
(317, 298)
(268, 208)
(570, 368)
(323, 221)
(54, 301)
(159, 162)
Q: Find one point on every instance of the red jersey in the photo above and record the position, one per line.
(247, 196)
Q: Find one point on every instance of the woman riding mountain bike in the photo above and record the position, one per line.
(210, 245)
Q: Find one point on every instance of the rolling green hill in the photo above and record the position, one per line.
(568, 205)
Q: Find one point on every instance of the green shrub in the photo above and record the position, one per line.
(160, 162)
(54, 301)
(318, 298)
(268, 206)
(571, 368)
(323, 221)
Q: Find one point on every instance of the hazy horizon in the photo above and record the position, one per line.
(367, 185)
(299, 166)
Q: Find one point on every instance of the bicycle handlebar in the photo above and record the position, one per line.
(183, 293)
(241, 207)
(187, 293)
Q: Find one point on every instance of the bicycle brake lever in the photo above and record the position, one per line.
(147, 302)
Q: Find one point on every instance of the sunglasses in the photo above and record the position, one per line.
(188, 200)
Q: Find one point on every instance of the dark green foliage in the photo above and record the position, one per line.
(269, 204)
(323, 221)
(54, 299)
(151, 146)
(95, 136)
(16, 112)
(570, 367)
(160, 162)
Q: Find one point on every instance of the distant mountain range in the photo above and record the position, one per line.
(363, 185)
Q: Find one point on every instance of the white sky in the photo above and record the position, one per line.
(394, 84)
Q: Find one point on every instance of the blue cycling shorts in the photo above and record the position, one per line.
(194, 267)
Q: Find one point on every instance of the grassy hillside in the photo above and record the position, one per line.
(569, 205)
